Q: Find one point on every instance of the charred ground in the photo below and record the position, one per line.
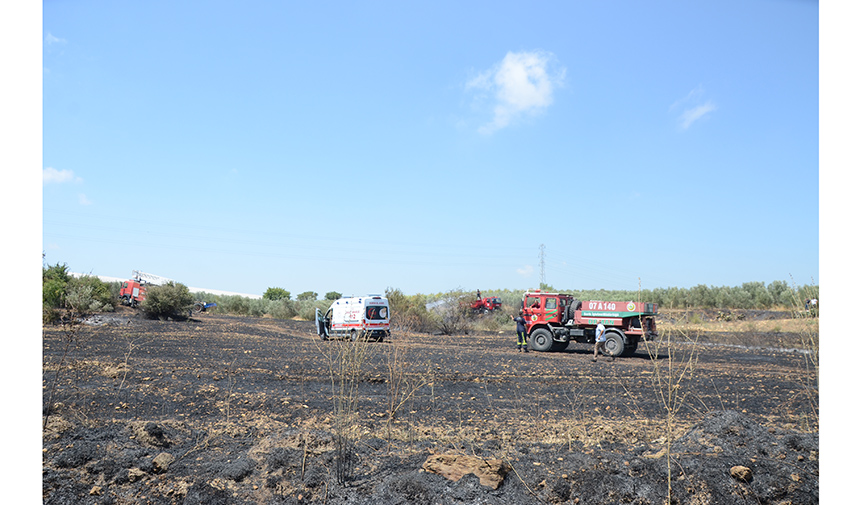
(223, 410)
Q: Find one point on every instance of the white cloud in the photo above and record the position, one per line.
(54, 176)
(83, 200)
(526, 271)
(522, 83)
(694, 114)
(691, 96)
(50, 40)
(694, 107)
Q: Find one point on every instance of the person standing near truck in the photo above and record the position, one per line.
(600, 341)
(522, 343)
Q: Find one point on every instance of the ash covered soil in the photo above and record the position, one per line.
(222, 410)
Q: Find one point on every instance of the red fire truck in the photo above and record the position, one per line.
(553, 320)
(133, 291)
(486, 305)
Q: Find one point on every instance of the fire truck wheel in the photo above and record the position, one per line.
(614, 344)
(541, 340)
(559, 346)
(630, 350)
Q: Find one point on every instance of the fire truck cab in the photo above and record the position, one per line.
(132, 292)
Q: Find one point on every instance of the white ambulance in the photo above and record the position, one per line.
(357, 317)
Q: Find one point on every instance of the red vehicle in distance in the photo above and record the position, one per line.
(133, 291)
(486, 305)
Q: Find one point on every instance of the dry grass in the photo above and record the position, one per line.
(777, 329)
(693, 320)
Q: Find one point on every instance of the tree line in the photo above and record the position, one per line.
(421, 312)
(749, 295)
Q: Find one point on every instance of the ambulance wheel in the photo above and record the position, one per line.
(353, 335)
(541, 340)
(614, 344)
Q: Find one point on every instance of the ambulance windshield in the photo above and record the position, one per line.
(377, 313)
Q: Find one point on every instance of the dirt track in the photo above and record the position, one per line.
(224, 409)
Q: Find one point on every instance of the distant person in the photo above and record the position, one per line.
(522, 342)
(479, 294)
(600, 341)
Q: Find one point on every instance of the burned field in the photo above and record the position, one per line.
(222, 410)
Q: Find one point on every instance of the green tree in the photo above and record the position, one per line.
(168, 300)
(741, 298)
(283, 309)
(307, 295)
(409, 313)
(701, 296)
(54, 281)
(98, 290)
(723, 298)
(58, 285)
(761, 298)
(235, 304)
(781, 293)
(276, 294)
(333, 295)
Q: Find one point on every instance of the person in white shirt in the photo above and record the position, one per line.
(600, 341)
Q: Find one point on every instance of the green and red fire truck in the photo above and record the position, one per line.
(553, 320)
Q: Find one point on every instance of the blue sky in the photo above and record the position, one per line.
(351, 147)
(428, 146)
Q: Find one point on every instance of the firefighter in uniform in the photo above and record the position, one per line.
(522, 342)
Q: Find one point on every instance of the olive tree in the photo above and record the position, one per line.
(170, 300)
